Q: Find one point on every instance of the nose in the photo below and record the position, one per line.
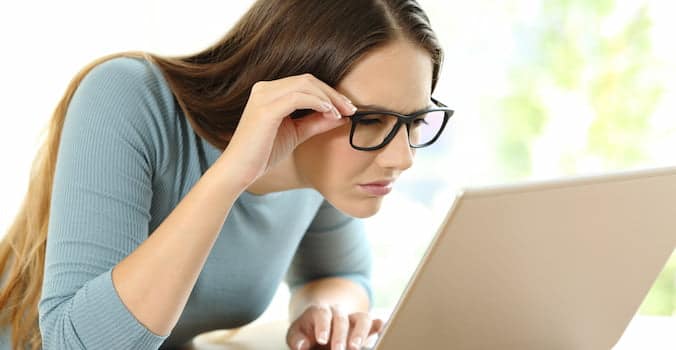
(397, 154)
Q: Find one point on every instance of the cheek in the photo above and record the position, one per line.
(330, 164)
(342, 164)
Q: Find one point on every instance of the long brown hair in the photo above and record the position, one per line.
(274, 39)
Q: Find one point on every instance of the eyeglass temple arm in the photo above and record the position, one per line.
(437, 102)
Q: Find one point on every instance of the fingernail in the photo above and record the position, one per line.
(336, 113)
(299, 345)
(326, 106)
(356, 342)
(323, 338)
(341, 346)
(350, 104)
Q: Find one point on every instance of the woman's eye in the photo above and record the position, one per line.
(420, 121)
(369, 121)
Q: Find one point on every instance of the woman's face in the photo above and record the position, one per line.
(397, 78)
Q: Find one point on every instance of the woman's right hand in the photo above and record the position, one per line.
(266, 134)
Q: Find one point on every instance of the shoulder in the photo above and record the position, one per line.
(124, 67)
(128, 98)
(127, 77)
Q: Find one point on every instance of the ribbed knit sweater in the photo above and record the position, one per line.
(127, 157)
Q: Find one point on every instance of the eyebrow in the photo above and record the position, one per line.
(381, 108)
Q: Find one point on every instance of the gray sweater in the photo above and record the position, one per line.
(127, 157)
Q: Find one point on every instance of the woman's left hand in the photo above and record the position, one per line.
(331, 326)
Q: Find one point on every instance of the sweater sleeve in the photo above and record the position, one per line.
(100, 209)
(335, 245)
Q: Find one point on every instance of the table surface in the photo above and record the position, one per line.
(643, 332)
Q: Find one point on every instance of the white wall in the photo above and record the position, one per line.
(44, 43)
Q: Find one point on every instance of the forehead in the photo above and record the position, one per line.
(397, 76)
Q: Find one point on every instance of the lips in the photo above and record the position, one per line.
(377, 188)
(379, 183)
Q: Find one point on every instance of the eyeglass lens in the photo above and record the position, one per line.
(372, 129)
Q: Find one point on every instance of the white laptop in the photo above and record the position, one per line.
(559, 264)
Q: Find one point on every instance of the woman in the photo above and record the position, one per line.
(173, 195)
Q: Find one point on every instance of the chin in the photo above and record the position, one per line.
(358, 208)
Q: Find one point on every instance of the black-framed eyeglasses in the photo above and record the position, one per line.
(374, 129)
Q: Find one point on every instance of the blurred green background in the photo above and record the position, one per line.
(617, 74)
(541, 88)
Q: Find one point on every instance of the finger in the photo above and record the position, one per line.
(339, 328)
(308, 83)
(322, 324)
(273, 113)
(296, 339)
(317, 124)
(296, 100)
(342, 103)
(302, 344)
(314, 124)
(360, 327)
(376, 326)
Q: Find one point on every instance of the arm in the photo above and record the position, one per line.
(106, 282)
(155, 280)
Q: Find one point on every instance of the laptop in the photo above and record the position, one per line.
(555, 264)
